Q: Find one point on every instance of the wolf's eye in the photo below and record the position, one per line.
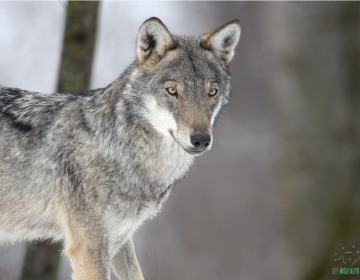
(171, 90)
(213, 92)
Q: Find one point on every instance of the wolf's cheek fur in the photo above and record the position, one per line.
(160, 118)
(164, 123)
(216, 111)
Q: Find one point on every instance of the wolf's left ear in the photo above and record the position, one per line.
(153, 41)
(223, 41)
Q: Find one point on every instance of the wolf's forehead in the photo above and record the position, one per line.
(193, 64)
(190, 61)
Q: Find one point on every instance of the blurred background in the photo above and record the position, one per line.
(278, 197)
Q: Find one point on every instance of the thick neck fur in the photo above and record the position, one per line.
(152, 162)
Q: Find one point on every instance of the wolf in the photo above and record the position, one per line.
(88, 169)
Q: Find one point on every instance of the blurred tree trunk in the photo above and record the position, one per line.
(322, 154)
(78, 48)
(42, 258)
(344, 219)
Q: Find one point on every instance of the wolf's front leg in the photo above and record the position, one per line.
(88, 250)
(125, 263)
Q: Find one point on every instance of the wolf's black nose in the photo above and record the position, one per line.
(200, 140)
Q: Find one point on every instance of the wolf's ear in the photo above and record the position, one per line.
(153, 41)
(223, 41)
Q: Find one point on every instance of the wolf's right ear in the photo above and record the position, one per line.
(153, 41)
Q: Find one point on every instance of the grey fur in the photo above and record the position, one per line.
(89, 169)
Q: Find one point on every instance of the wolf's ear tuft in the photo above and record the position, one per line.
(223, 41)
(153, 41)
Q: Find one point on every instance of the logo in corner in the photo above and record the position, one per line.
(347, 261)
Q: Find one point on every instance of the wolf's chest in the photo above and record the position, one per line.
(151, 181)
(122, 228)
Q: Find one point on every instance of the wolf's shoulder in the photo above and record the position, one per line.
(25, 110)
(24, 99)
(9, 95)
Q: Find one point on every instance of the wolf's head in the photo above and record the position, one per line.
(184, 82)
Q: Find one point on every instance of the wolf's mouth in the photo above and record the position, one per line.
(189, 151)
(195, 153)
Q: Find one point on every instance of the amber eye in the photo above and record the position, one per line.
(213, 92)
(171, 90)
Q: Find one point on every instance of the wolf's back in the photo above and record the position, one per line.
(25, 111)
